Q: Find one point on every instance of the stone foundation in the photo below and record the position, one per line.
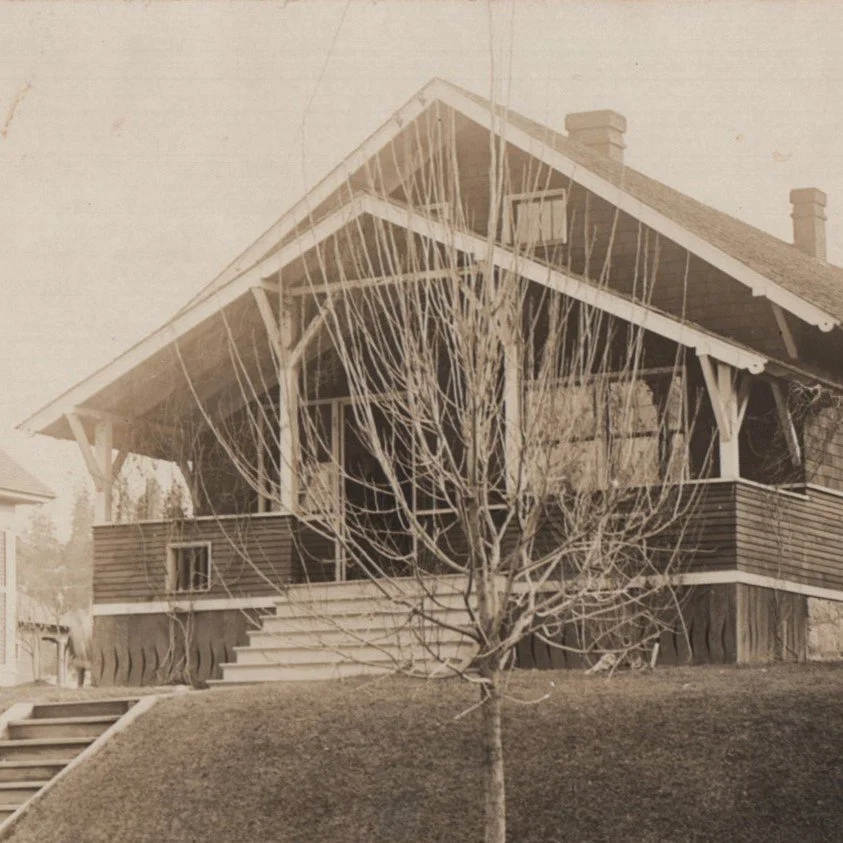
(825, 629)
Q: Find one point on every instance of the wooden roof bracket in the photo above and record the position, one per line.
(785, 331)
(787, 425)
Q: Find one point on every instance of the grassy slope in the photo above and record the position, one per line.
(682, 754)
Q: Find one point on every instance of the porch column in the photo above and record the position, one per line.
(103, 441)
(263, 499)
(288, 410)
(512, 416)
(728, 390)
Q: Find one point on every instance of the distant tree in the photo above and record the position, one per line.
(175, 505)
(150, 503)
(58, 575)
(38, 551)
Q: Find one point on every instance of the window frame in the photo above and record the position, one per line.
(510, 219)
(173, 556)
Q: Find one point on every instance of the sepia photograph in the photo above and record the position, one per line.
(421, 421)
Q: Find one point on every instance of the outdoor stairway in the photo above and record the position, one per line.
(339, 630)
(37, 747)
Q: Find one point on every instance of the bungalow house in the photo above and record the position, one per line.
(17, 488)
(754, 321)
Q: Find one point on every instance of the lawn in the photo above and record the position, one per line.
(679, 754)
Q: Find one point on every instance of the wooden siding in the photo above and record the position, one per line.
(251, 556)
(796, 537)
(156, 649)
(705, 634)
(772, 625)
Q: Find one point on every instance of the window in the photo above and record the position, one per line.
(537, 219)
(189, 567)
(607, 430)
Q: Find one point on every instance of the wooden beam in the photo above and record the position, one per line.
(786, 422)
(378, 281)
(744, 390)
(785, 331)
(81, 436)
(728, 392)
(310, 332)
(118, 463)
(713, 387)
(269, 321)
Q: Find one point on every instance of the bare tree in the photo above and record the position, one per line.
(505, 439)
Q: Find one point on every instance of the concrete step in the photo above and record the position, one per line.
(63, 749)
(20, 791)
(61, 727)
(26, 771)
(83, 708)
(355, 653)
(362, 622)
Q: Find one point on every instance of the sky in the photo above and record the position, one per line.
(144, 145)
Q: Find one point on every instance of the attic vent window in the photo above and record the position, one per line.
(189, 567)
(537, 219)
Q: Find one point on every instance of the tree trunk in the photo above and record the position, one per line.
(493, 766)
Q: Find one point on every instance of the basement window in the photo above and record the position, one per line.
(189, 567)
(537, 219)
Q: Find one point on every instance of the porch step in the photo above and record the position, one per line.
(389, 652)
(339, 606)
(110, 707)
(358, 589)
(60, 727)
(40, 770)
(354, 623)
(20, 791)
(64, 749)
(6, 811)
(336, 630)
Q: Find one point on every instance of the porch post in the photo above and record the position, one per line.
(261, 461)
(103, 441)
(287, 404)
(99, 459)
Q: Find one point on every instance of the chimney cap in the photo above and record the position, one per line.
(808, 196)
(605, 118)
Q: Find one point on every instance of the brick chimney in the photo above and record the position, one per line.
(809, 221)
(601, 130)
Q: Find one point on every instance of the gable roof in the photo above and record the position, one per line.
(807, 287)
(771, 268)
(817, 282)
(18, 485)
